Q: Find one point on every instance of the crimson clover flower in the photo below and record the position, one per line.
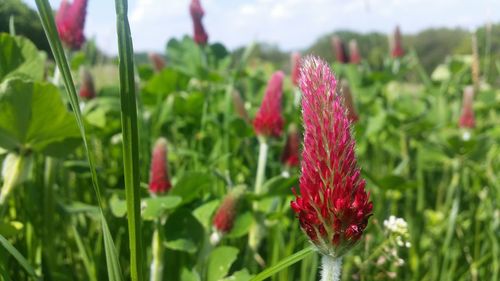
(295, 68)
(340, 51)
(291, 154)
(70, 20)
(87, 89)
(197, 13)
(268, 121)
(333, 207)
(352, 114)
(467, 119)
(159, 181)
(354, 55)
(225, 215)
(397, 44)
(157, 61)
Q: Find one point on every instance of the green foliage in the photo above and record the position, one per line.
(33, 118)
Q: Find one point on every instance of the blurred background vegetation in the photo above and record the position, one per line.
(433, 46)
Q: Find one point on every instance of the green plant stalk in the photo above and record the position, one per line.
(12, 179)
(130, 138)
(12, 25)
(19, 257)
(157, 255)
(284, 263)
(48, 212)
(261, 165)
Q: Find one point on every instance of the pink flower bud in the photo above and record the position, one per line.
(159, 181)
(70, 20)
(349, 102)
(397, 44)
(87, 90)
(197, 13)
(239, 106)
(339, 48)
(157, 61)
(223, 220)
(290, 156)
(295, 68)
(467, 117)
(355, 56)
(333, 207)
(268, 121)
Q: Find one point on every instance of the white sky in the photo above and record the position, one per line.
(292, 24)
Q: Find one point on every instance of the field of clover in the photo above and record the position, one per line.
(205, 164)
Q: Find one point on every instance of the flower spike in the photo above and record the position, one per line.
(70, 20)
(197, 13)
(333, 207)
(268, 121)
(159, 181)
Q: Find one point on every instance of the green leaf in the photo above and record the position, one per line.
(18, 56)
(33, 116)
(242, 275)
(118, 207)
(241, 225)
(183, 232)
(204, 213)
(189, 275)
(190, 186)
(130, 133)
(280, 185)
(18, 256)
(8, 229)
(167, 81)
(219, 262)
(154, 208)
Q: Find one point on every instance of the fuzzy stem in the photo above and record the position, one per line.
(261, 165)
(157, 260)
(330, 268)
(12, 177)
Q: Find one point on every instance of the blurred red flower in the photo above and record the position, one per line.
(268, 121)
(70, 20)
(467, 119)
(197, 13)
(159, 181)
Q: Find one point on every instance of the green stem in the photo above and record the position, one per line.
(157, 252)
(261, 165)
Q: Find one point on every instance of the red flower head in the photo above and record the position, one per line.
(225, 216)
(157, 61)
(348, 102)
(295, 68)
(355, 56)
(197, 13)
(467, 118)
(70, 20)
(397, 44)
(159, 181)
(268, 121)
(290, 156)
(339, 47)
(87, 90)
(333, 208)
(239, 106)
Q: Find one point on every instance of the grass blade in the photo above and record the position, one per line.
(49, 26)
(18, 256)
(130, 138)
(283, 264)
